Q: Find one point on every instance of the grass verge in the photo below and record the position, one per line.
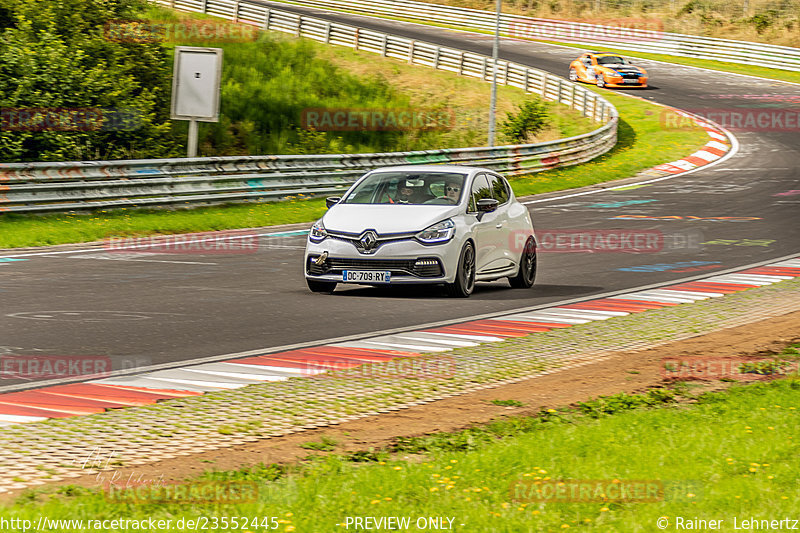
(743, 468)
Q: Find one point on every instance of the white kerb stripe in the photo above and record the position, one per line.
(482, 338)
(717, 136)
(548, 318)
(687, 295)
(449, 342)
(19, 419)
(718, 145)
(570, 314)
(409, 346)
(593, 312)
(706, 156)
(656, 299)
(251, 377)
(699, 293)
(277, 370)
(215, 384)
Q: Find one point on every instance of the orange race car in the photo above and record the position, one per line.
(607, 70)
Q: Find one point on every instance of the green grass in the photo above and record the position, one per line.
(643, 143)
(729, 454)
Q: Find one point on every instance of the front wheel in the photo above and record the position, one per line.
(321, 286)
(527, 267)
(573, 75)
(464, 284)
(601, 81)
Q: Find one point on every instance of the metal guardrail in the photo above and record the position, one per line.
(41, 187)
(591, 35)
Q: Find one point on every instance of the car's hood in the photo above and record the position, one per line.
(385, 219)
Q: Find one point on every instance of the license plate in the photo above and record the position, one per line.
(366, 276)
(631, 81)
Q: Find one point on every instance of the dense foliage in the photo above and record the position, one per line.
(70, 93)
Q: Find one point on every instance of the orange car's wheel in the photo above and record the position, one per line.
(601, 81)
(573, 75)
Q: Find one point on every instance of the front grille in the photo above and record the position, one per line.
(423, 267)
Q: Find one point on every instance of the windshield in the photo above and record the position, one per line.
(612, 60)
(408, 188)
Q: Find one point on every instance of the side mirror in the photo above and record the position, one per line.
(332, 201)
(486, 205)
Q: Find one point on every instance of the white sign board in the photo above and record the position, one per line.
(195, 83)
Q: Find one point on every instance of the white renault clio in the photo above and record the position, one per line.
(431, 224)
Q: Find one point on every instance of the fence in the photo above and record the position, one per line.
(591, 35)
(40, 187)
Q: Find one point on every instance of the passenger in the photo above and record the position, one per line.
(452, 191)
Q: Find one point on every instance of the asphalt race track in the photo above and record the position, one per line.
(150, 309)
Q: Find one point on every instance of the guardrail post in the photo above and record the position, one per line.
(355, 39)
(505, 74)
(585, 107)
(267, 17)
(527, 79)
(436, 57)
(544, 86)
(484, 65)
(236, 12)
(299, 25)
(328, 28)
(205, 5)
(384, 44)
(558, 93)
(572, 97)
(461, 64)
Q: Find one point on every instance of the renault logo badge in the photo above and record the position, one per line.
(368, 241)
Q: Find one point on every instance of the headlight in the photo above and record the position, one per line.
(317, 233)
(438, 233)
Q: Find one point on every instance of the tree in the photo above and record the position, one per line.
(68, 92)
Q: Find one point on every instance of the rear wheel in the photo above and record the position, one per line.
(527, 267)
(321, 286)
(464, 283)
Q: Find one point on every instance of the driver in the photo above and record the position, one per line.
(404, 193)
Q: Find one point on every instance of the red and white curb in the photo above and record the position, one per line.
(62, 401)
(715, 149)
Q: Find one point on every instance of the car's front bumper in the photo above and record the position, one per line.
(640, 83)
(409, 261)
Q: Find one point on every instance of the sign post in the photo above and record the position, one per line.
(195, 88)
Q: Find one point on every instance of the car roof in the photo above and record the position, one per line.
(434, 168)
